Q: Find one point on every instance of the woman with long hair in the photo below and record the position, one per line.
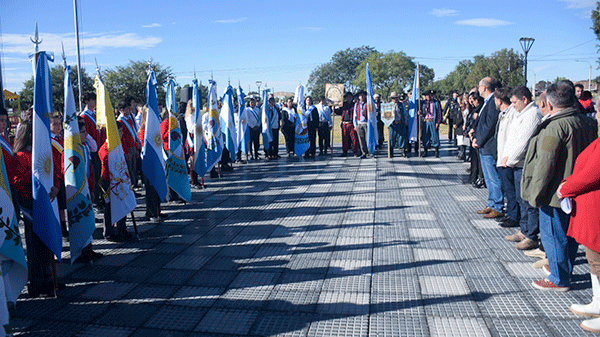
(476, 173)
(39, 256)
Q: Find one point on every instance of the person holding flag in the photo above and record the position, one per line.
(413, 113)
(176, 167)
(199, 146)
(288, 118)
(432, 117)
(212, 131)
(243, 132)
(360, 120)
(227, 121)
(116, 184)
(153, 162)
(76, 162)
(301, 142)
(267, 132)
(274, 125)
(372, 136)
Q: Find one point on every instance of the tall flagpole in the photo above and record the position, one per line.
(78, 56)
(419, 112)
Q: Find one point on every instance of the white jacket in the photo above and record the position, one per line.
(522, 127)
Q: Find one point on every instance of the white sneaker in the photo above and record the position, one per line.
(592, 309)
(538, 253)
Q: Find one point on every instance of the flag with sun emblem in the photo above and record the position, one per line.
(176, 168)
(212, 129)
(199, 147)
(44, 211)
(243, 133)
(120, 193)
(301, 143)
(228, 123)
(80, 211)
(153, 162)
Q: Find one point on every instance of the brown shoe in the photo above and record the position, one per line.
(517, 237)
(527, 244)
(493, 214)
(548, 285)
(486, 210)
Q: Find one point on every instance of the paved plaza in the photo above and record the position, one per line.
(325, 247)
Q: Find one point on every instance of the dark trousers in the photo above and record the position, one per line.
(39, 258)
(324, 137)
(450, 122)
(289, 134)
(152, 200)
(254, 141)
(97, 170)
(476, 171)
(530, 216)
(507, 183)
(312, 138)
(274, 144)
(380, 139)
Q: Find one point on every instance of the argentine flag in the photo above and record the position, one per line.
(414, 108)
(228, 123)
(153, 162)
(212, 129)
(267, 132)
(301, 143)
(371, 114)
(177, 174)
(243, 133)
(199, 147)
(80, 211)
(45, 212)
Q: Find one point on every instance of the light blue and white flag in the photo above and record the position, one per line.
(371, 115)
(176, 167)
(267, 132)
(212, 129)
(12, 256)
(80, 211)
(243, 132)
(199, 147)
(228, 123)
(301, 143)
(44, 211)
(414, 108)
(153, 161)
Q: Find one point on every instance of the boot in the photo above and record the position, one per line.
(592, 309)
(425, 154)
(437, 152)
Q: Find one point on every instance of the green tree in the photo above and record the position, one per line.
(505, 65)
(130, 81)
(391, 71)
(596, 27)
(341, 69)
(57, 76)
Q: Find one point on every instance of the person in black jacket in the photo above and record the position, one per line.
(452, 115)
(484, 140)
(313, 126)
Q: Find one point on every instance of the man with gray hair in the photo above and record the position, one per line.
(562, 135)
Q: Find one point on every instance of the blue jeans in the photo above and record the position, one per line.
(431, 136)
(492, 180)
(560, 249)
(507, 180)
(530, 216)
(398, 135)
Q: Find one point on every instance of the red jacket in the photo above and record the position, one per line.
(58, 150)
(164, 132)
(584, 187)
(90, 128)
(8, 162)
(127, 140)
(22, 178)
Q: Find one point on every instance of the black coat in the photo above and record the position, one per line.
(485, 131)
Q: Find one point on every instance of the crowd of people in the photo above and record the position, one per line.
(538, 162)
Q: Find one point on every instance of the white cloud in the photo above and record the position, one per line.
(152, 25)
(231, 20)
(441, 12)
(92, 43)
(483, 22)
(312, 29)
(580, 4)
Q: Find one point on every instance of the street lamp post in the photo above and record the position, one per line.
(526, 43)
(590, 78)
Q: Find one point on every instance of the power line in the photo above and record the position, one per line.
(564, 50)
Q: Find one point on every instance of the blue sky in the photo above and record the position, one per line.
(281, 42)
